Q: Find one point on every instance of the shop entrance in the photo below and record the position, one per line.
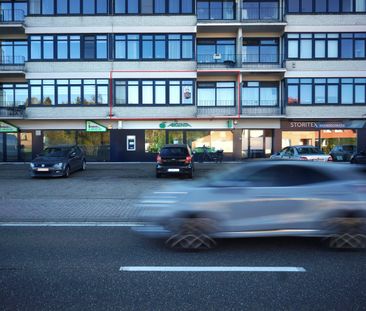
(15, 147)
(256, 143)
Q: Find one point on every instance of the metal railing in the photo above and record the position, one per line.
(12, 60)
(261, 103)
(216, 111)
(11, 16)
(262, 111)
(12, 109)
(259, 12)
(216, 58)
(215, 103)
(214, 14)
(260, 58)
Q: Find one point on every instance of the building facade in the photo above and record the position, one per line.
(123, 77)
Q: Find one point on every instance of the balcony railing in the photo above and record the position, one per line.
(11, 16)
(262, 111)
(217, 103)
(262, 13)
(12, 63)
(12, 109)
(216, 14)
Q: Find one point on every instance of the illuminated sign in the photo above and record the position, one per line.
(164, 125)
(91, 126)
(7, 128)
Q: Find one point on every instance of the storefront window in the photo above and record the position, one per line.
(198, 139)
(175, 137)
(332, 138)
(293, 138)
(52, 138)
(154, 140)
(26, 146)
(95, 145)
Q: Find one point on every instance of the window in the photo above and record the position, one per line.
(326, 91)
(13, 95)
(325, 6)
(326, 46)
(154, 140)
(212, 94)
(260, 93)
(260, 51)
(153, 7)
(61, 7)
(13, 52)
(260, 10)
(153, 92)
(215, 50)
(213, 9)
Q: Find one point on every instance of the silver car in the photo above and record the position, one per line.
(306, 153)
(262, 199)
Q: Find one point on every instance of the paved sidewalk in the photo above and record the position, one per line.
(103, 193)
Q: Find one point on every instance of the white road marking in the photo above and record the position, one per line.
(209, 269)
(167, 192)
(157, 202)
(71, 224)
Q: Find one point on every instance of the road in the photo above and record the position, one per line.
(68, 268)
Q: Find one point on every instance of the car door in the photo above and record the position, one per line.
(74, 159)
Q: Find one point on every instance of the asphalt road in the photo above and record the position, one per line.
(76, 268)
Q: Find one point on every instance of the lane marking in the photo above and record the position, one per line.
(169, 192)
(209, 269)
(71, 224)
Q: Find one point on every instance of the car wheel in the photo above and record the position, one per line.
(67, 171)
(158, 175)
(191, 234)
(346, 232)
(83, 166)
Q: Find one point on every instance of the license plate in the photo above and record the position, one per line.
(173, 170)
(42, 169)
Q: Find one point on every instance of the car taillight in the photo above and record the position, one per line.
(330, 158)
(304, 158)
(188, 159)
(158, 159)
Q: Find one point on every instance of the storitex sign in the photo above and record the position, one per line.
(165, 125)
(7, 128)
(91, 126)
(306, 125)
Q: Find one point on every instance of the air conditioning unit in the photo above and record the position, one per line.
(217, 56)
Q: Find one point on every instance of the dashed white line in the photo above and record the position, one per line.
(209, 269)
(71, 224)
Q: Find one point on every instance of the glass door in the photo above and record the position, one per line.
(12, 147)
(2, 147)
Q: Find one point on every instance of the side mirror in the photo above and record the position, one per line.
(72, 155)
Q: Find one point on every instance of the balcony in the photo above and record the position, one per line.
(12, 110)
(257, 12)
(12, 65)
(212, 108)
(264, 108)
(12, 21)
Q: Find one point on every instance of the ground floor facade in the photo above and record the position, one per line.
(140, 140)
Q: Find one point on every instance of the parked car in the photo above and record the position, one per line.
(306, 153)
(342, 152)
(261, 199)
(175, 159)
(359, 158)
(58, 161)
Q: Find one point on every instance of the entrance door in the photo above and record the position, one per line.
(12, 147)
(2, 147)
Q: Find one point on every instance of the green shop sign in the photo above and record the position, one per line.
(7, 128)
(164, 125)
(91, 126)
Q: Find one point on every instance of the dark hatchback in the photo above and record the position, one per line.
(175, 159)
(359, 158)
(58, 161)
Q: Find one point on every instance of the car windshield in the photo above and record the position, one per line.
(309, 150)
(174, 151)
(55, 152)
(348, 148)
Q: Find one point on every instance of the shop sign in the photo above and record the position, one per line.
(328, 125)
(91, 126)
(164, 125)
(7, 128)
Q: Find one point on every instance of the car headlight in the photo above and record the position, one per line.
(58, 166)
(31, 165)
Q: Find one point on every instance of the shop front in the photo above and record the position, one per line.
(323, 134)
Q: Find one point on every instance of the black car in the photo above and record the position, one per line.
(359, 158)
(58, 161)
(175, 159)
(342, 152)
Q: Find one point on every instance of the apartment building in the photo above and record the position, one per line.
(123, 77)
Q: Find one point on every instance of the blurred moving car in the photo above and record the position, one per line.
(305, 153)
(58, 161)
(175, 159)
(262, 199)
(342, 152)
(359, 158)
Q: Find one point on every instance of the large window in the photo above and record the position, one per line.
(326, 91)
(12, 11)
(13, 95)
(69, 92)
(68, 7)
(216, 94)
(215, 50)
(325, 6)
(326, 46)
(13, 52)
(260, 10)
(215, 9)
(153, 92)
(260, 94)
(260, 51)
(154, 7)
(154, 47)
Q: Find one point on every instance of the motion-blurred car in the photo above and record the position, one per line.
(262, 199)
(342, 152)
(305, 153)
(58, 161)
(359, 158)
(175, 159)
